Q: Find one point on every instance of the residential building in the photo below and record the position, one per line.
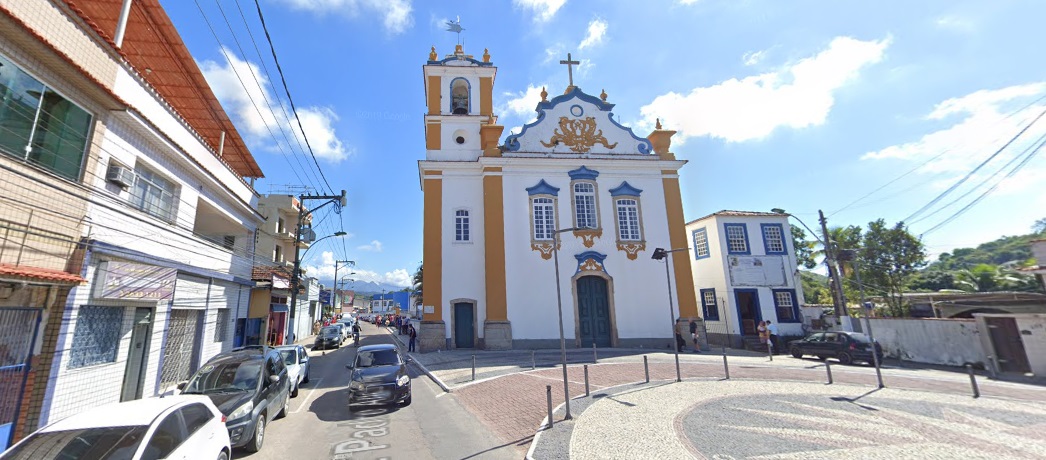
(396, 302)
(745, 271)
(141, 185)
(276, 249)
(492, 213)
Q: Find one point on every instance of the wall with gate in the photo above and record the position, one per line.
(951, 342)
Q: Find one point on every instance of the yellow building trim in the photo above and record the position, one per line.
(433, 133)
(432, 252)
(435, 93)
(680, 260)
(494, 244)
(433, 173)
(486, 95)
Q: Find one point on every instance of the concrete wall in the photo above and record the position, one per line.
(951, 342)
(1033, 334)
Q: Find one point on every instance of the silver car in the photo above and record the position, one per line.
(296, 358)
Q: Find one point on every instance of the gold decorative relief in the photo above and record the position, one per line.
(578, 134)
(588, 236)
(631, 249)
(591, 265)
(544, 248)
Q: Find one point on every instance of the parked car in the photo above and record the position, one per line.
(329, 336)
(297, 361)
(151, 428)
(847, 347)
(379, 376)
(343, 330)
(250, 386)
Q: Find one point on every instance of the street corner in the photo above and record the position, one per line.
(737, 419)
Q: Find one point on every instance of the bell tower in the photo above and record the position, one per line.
(460, 124)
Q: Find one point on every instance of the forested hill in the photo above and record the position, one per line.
(998, 252)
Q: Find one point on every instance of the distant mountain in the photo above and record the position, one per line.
(997, 252)
(367, 287)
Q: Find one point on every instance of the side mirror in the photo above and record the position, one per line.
(181, 385)
(274, 379)
(304, 359)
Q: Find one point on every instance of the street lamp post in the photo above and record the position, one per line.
(661, 253)
(298, 255)
(295, 282)
(559, 304)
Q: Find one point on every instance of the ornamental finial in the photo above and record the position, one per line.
(544, 94)
(432, 54)
(603, 95)
(486, 55)
(658, 124)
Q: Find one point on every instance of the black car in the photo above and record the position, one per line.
(847, 347)
(250, 386)
(379, 376)
(329, 336)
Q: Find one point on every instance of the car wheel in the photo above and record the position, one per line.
(796, 353)
(255, 444)
(406, 402)
(306, 379)
(223, 455)
(845, 358)
(294, 392)
(286, 405)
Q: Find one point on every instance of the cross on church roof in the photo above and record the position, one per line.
(570, 70)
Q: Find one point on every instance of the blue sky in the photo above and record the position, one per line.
(866, 110)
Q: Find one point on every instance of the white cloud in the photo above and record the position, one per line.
(796, 96)
(395, 13)
(754, 57)
(325, 271)
(986, 120)
(523, 103)
(259, 113)
(545, 9)
(597, 30)
(373, 246)
(688, 2)
(955, 24)
(584, 68)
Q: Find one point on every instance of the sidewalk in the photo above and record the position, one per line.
(509, 396)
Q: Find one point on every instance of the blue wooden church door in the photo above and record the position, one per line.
(593, 311)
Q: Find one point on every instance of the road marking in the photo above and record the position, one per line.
(308, 396)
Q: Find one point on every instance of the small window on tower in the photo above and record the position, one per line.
(459, 97)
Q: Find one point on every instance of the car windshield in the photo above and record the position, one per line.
(859, 337)
(331, 330)
(105, 443)
(378, 358)
(289, 357)
(227, 376)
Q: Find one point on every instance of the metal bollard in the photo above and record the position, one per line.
(548, 396)
(595, 359)
(973, 381)
(770, 349)
(587, 392)
(992, 366)
(646, 369)
(828, 369)
(473, 367)
(533, 362)
(726, 367)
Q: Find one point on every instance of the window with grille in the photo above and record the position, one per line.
(544, 218)
(461, 225)
(773, 238)
(784, 301)
(96, 336)
(153, 194)
(628, 220)
(700, 243)
(585, 205)
(221, 326)
(708, 304)
(736, 238)
(39, 125)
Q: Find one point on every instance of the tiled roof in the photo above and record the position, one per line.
(41, 274)
(729, 213)
(266, 273)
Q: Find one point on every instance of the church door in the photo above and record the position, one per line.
(464, 325)
(748, 310)
(593, 311)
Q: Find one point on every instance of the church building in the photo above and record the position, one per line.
(574, 191)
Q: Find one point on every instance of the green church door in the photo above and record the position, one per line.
(464, 325)
(593, 311)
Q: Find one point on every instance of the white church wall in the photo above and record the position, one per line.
(466, 127)
(463, 262)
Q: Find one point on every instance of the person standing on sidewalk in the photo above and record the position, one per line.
(680, 341)
(413, 337)
(763, 334)
(771, 330)
(693, 334)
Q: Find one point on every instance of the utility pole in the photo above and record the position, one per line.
(302, 212)
(832, 259)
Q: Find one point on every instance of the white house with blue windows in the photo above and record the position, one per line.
(745, 271)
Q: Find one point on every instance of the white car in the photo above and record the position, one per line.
(297, 361)
(173, 427)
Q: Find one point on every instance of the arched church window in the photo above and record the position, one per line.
(585, 205)
(544, 217)
(459, 96)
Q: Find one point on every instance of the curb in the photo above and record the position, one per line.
(424, 369)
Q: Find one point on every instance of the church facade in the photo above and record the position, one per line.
(574, 189)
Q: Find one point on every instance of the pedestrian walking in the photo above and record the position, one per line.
(693, 334)
(764, 336)
(680, 341)
(413, 338)
(771, 331)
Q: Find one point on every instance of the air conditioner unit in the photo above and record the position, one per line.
(120, 175)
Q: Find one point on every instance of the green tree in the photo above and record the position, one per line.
(890, 256)
(417, 280)
(815, 288)
(933, 280)
(988, 278)
(1039, 226)
(804, 250)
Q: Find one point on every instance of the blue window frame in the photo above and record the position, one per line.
(774, 239)
(786, 306)
(96, 336)
(737, 239)
(700, 237)
(709, 305)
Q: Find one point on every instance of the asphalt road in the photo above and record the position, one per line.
(320, 426)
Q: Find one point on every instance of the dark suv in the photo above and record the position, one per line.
(847, 347)
(250, 386)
